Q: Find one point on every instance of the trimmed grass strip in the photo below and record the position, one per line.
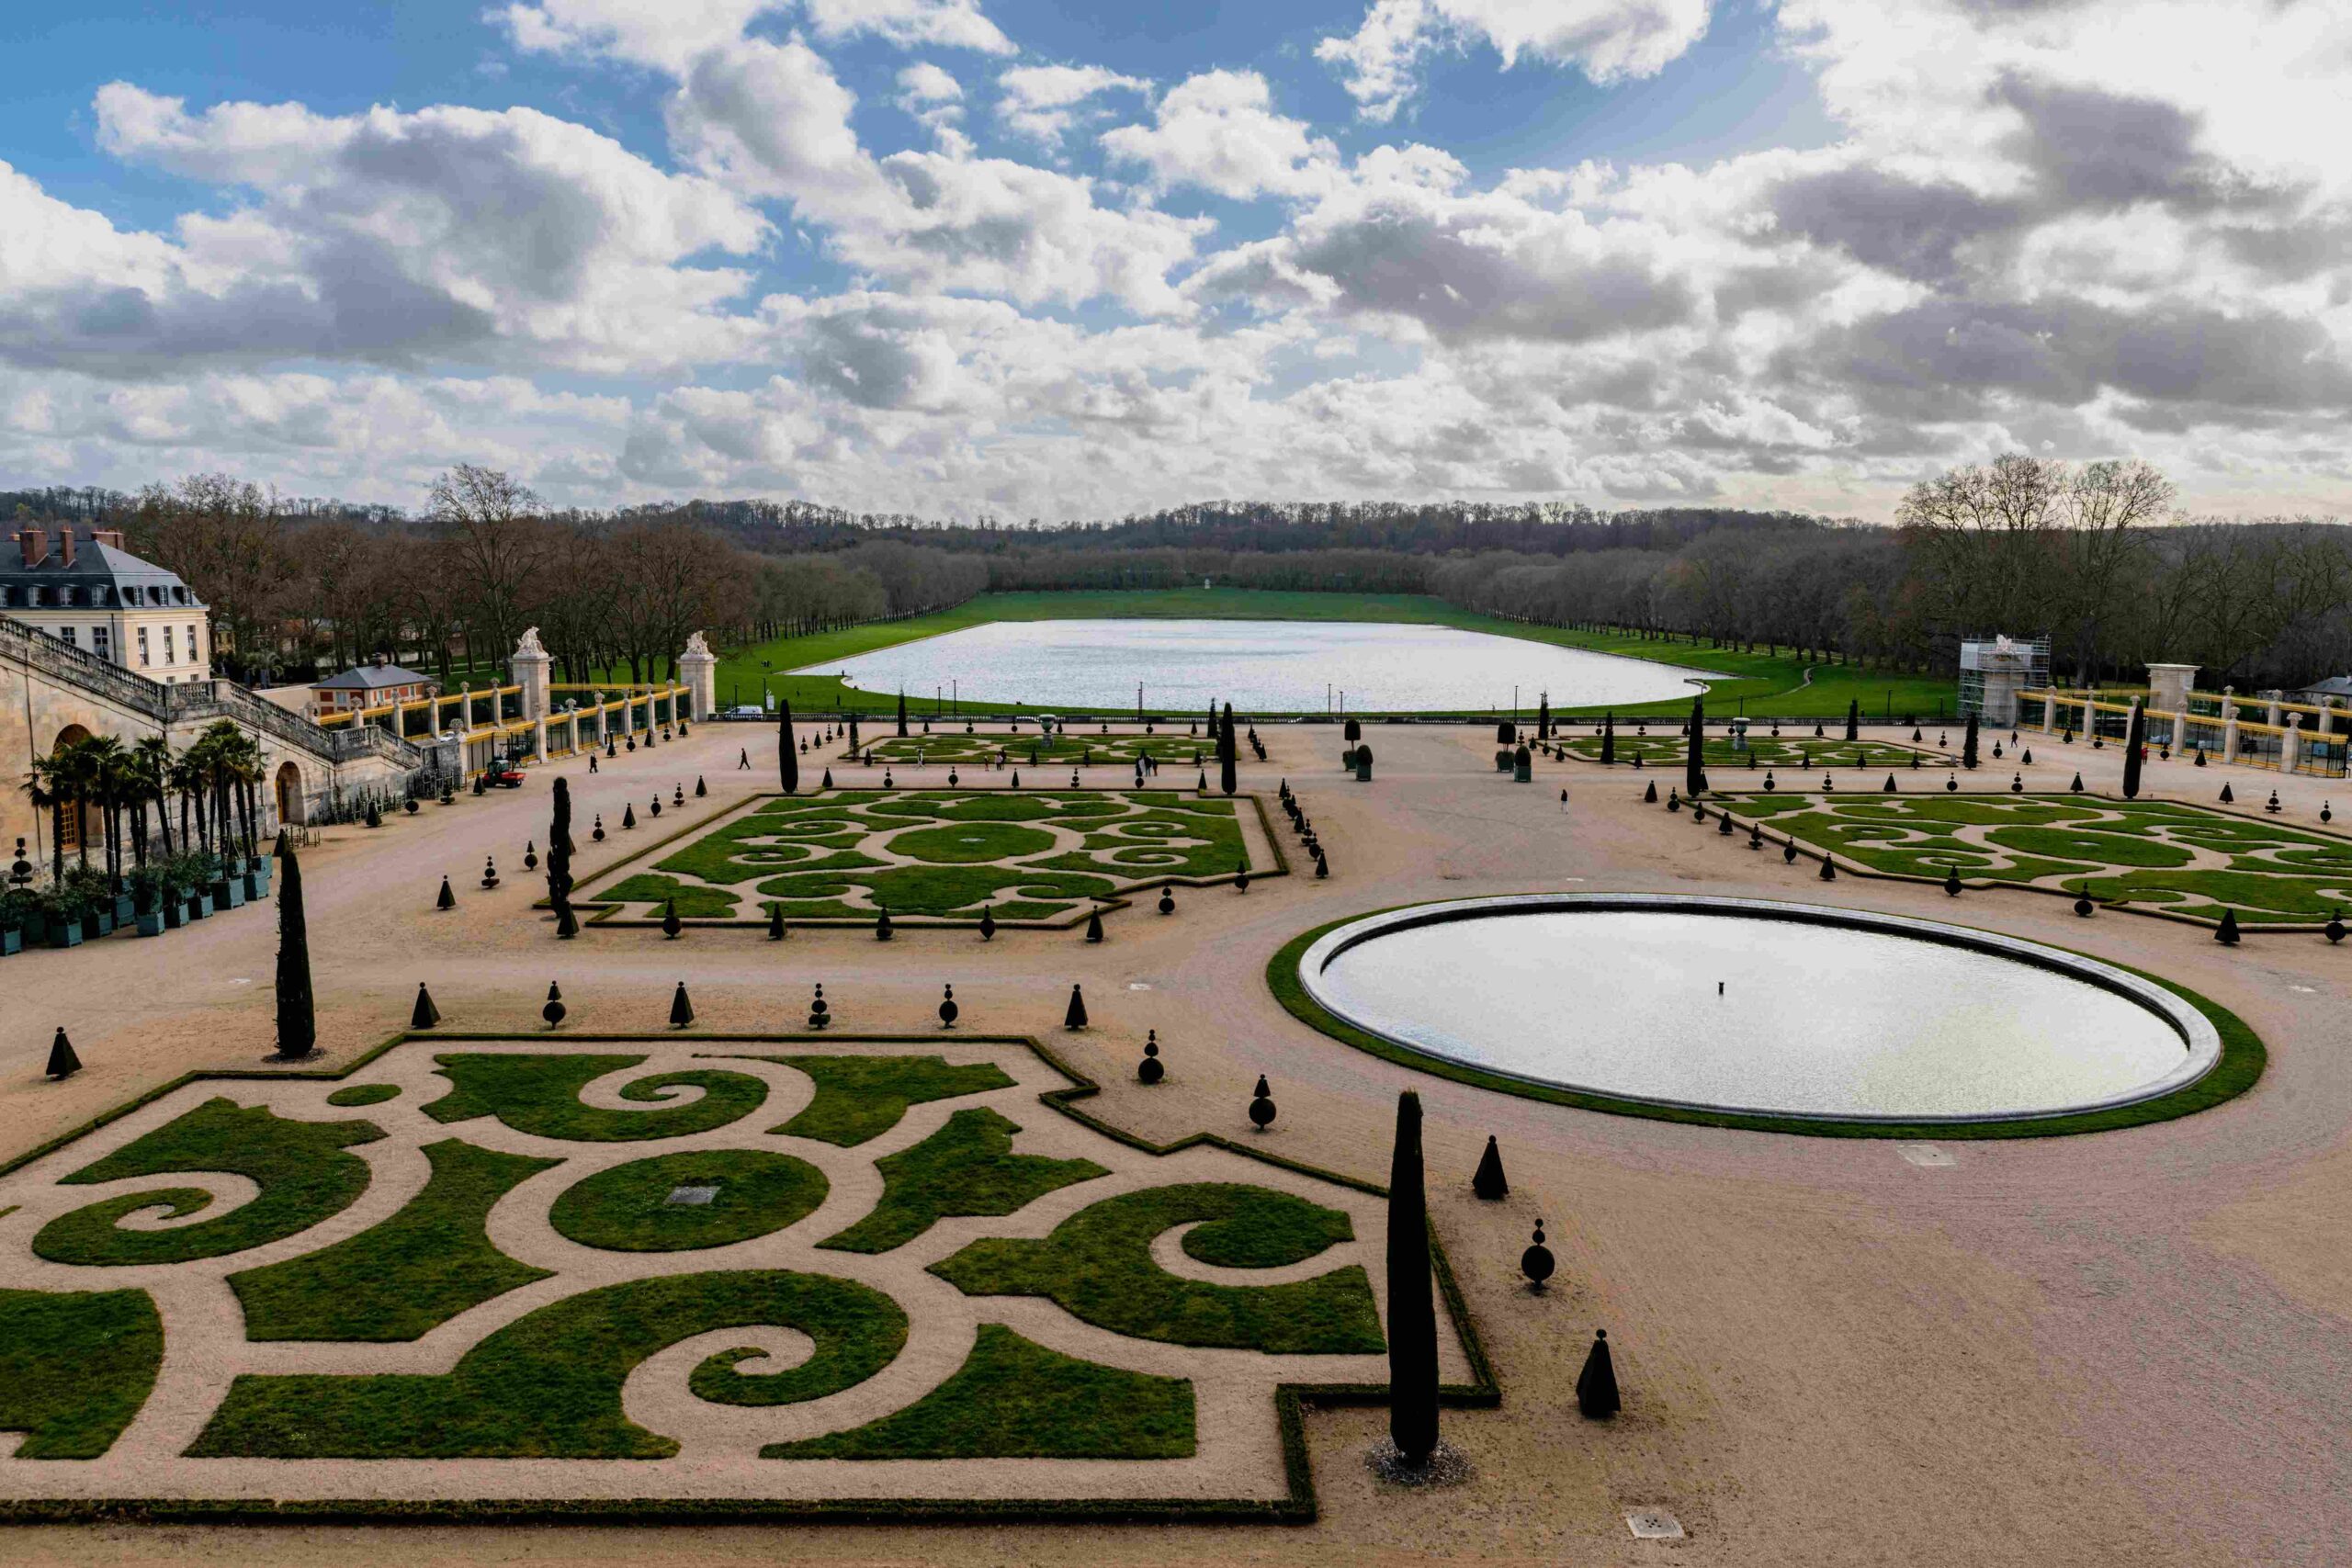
(541, 1095)
(965, 1167)
(864, 1097)
(76, 1367)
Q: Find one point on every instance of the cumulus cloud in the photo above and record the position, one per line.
(382, 236)
(1606, 39)
(1218, 130)
(1040, 101)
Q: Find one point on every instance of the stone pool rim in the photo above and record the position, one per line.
(2225, 1057)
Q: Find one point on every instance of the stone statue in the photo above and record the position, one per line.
(696, 646)
(528, 644)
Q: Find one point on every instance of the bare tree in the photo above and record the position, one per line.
(500, 542)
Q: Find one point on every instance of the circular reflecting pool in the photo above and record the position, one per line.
(1750, 1005)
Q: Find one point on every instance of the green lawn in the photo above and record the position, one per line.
(76, 1367)
(2181, 858)
(541, 1095)
(863, 1097)
(628, 1207)
(304, 1174)
(404, 1276)
(548, 1385)
(1097, 1264)
(1758, 683)
(965, 1167)
(1017, 1400)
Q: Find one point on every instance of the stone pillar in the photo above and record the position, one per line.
(2229, 737)
(2270, 710)
(539, 738)
(2326, 714)
(2168, 686)
(698, 668)
(532, 668)
(2290, 745)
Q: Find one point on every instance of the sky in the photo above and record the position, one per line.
(1040, 259)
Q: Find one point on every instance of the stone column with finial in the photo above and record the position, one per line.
(698, 668)
(532, 670)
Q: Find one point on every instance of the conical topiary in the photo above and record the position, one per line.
(628, 816)
(1487, 1181)
(948, 1010)
(1596, 1384)
(671, 924)
(827, 783)
(62, 1062)
(700, 788)
(2228, 798)
(2076, 787)
(883, 930)
(1649, 795)
(1412, 1304)
(298, 1024)
(1537, 1262)
(681, 1012)
(1151, 1069)
(1074, 1016)
(1261, 1105)
(448, 901)
(554, 1011)
(2227, 935)
(1094, 926)
(1828, 869)
(776, 922)
(424, 1015)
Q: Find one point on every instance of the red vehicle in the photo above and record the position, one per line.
(503, 775)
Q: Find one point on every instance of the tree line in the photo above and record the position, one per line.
(2095, 556)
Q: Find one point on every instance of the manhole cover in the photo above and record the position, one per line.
(1653, 1524)
(693, 1194)
(1926, 1154)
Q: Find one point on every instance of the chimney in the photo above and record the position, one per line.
(65, 547)
(110, 537)
(36, 543)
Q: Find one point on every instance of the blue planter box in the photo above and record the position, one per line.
(256, 885)
(229, 892)
(36, 927)
(66, 935)
(259, 878)
(11, 943)
(201, 906)
(126, 909)
(175, 909)
(152, 924)
(101, 922)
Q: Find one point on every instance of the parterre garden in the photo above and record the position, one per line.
(1802, 753)
(725, 1261)
(1083, 745)
(2167, 855)
(1025, 856)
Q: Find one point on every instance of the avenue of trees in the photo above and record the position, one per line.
(2094, 556)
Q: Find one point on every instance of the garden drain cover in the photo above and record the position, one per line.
(1653, 1524)
(1926, 1154)
(693, 1194)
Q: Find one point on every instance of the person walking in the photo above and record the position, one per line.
(743, 760)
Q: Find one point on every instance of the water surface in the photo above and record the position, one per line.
(1811, 1020)
(1258, 666)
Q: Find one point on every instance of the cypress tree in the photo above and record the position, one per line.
(902, 714)
(1967, 744)
(1608, 738)
(1224, 754)
(567, 925)
(1853, 719)
(1544, 718)
(2135, 735)
(1694, 770)
(788, 761)
(298, 1024)
(1412, 1308)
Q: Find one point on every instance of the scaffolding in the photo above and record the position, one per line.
(1995, 671)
